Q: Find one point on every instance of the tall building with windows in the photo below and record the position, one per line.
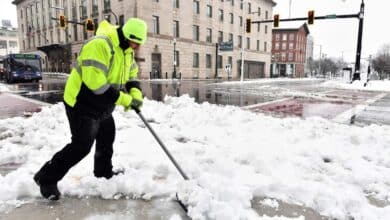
(8, 38)
(182, 36)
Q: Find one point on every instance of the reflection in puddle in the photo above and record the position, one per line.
(304, 107)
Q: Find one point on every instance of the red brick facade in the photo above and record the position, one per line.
(289, 51)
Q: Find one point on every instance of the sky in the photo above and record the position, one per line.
(229, 154)
(338, 37)
(8, 11)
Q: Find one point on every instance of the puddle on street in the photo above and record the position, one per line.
(304, 108)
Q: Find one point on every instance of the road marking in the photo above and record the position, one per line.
(345, 117)
(265, 103)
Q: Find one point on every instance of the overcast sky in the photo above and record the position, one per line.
(337, 37)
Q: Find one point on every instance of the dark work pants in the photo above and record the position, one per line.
(85, 130)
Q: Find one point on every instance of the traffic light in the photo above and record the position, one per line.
(276, 20)
(62, 19)
(89, 25)
(248, 25)
(310, 17)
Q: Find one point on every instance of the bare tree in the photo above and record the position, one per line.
(381, 62)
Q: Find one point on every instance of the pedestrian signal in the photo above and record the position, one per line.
(248, 25)
(276, 20)
(62, 19)
(310, 17)
(89, 25)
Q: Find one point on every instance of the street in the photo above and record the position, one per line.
(281, 98)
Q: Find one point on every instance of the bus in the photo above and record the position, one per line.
(22, 67)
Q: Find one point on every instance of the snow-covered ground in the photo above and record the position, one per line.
(372, 85)
(231, 155)
(3, 88)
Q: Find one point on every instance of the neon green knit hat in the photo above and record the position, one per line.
(135, 30)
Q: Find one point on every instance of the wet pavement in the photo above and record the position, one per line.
(282, 99)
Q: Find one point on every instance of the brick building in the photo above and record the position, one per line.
(190, 29)
(289, 51)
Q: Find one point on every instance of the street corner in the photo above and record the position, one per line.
(14, 105)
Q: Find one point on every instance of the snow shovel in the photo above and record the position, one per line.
(185, 177)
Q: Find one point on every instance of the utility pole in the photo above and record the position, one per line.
(356, 74)
(319, 63)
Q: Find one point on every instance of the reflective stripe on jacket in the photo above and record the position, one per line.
(101, 70)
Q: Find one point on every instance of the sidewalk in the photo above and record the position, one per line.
(14, 105)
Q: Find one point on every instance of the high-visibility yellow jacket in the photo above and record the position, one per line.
(100, 72)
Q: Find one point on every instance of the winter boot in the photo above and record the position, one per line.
(49, 191)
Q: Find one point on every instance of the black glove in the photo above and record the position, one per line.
(133, 84)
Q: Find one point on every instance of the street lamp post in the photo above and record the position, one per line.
(174, 58)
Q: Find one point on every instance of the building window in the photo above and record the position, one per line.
(284, 46)
(209, 11)
(195, 60)
(208, 35)
(241, 5)
(240, 18)
(265, 46)
(283, 56)
(266, 15)
(248, 43)
(231, 18)
(220, 36)
(75, 34)
(291, 36)
(290, 45)
(106, 5)
(220, 14)
(277, 37)
(175, 3)
(220, 64)
(266, 29)
(196, 7)
(177, 57)
(156, 25)
(176, 29)
(258, 27)
(232, 2)
(284, 37)
(277, 45)
(21, 13)
(230, 61)
(249, 8)
(239, 41)
(208, 61)
(95, 9)
(258, 45)
(290, 56)
(230, 37)
(258, 11)
(195, 32)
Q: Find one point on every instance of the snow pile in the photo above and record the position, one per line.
(372, 85)
(230, 155)
(3, 88)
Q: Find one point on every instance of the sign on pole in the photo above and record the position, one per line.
(226, 46)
